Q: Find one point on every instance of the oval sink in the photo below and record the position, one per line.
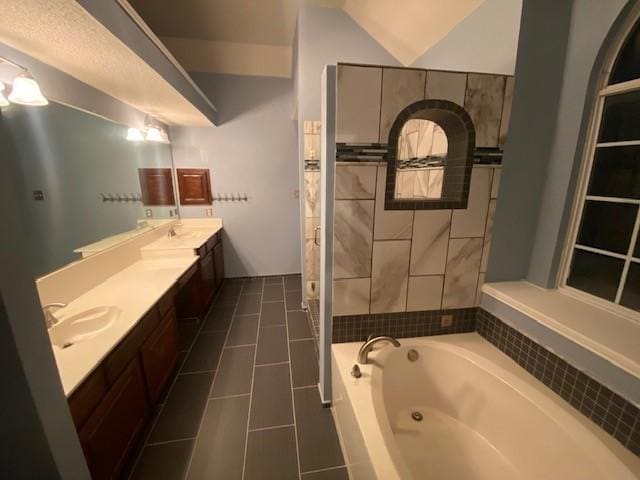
(81, 326)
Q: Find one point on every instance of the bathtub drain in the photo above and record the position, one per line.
(417, 416)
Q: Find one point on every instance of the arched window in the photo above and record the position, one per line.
(603, 257)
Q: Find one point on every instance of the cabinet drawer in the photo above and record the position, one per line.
(202, 251)
(128, 348)
(115, 424)
(159, 354)
(84, 400)
(165, 304)
(215, 238)
(186, 277)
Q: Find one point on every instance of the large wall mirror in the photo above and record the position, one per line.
(430, 157)
(85, 181)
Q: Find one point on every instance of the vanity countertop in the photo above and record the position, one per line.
(191, 234)
(133, 291)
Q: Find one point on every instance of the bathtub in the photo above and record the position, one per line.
(482, 417)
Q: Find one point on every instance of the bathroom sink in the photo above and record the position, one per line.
(82, 326)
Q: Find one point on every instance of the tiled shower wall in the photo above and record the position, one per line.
(396, 261)
(312, 205)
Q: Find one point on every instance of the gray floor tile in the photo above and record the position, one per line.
(168, 461)
(273, 280)
(304, 363)
(181, 414)
(219, 318)
(244, 330)
(219, 450)
(293, 300)
(292, 283)
(271, 402)
(188, 331)
(205, 352)
(272, 314)
(228, 295)
(249, 304)
(253, 285)
(317, 436)
(333, 474)
(234, 372)
(271, 455)
(298, 325)
(272, 345)
(273, 293)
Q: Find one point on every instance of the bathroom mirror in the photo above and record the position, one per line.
(422, 153)
(430, 157)
(83, 182)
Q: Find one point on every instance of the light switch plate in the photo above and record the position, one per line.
(209, 212)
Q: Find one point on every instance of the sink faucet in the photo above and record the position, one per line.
(363, 353)
(171, 232)
(49, 318)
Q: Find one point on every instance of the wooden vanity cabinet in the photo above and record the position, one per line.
(218, 261)
(111, 407)
(188, 298)
(208, 274)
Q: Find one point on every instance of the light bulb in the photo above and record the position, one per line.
(3, 100)
(135, 135)
(153, 134)
(26, 91)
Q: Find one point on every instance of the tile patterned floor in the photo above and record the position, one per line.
(245, 403)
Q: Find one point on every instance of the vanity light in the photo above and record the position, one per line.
(3, 100)
(26, 91)
(135, 135)
(154, 135)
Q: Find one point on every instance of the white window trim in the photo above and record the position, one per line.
(583, 182)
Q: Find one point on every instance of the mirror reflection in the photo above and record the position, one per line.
(86, 182)
(422, 153)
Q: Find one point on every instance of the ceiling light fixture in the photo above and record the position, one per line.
(135, 135)
(3, 100)
(153, 134)
(26, 91)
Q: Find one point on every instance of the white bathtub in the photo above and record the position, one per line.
(484, 417)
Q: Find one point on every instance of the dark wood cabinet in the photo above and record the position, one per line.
(156, 185)
(218, 260)
(208, 274)
(188, 299)
(159, 354)
(114, 425)
(194, 185)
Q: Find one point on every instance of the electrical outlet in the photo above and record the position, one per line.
(446, 320)
(296, 193)
(148, 213)
(38, 195)
(209, 212)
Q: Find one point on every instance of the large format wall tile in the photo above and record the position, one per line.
(471, 221)
(400, 88)
(355, 181)
(430, 241)
(483, 102)
(487, 236)
(506, 110)
(495, 183)
(311, 194)
(358, 113)
(312, 260)
(446, 86)
(390, 224)
(353, 232)
(425, 293)
(351, 296)
(463, 268)
(389, 275)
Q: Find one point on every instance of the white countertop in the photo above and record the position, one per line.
(190, 235)
(133, 291)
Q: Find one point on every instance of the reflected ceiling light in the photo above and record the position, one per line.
(3, 100)
(26, 91)
(153, 134)
(135, 135)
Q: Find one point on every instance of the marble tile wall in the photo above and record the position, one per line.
(358, 117)
(395, 261)
(400, 87)
(312, 207)
(484, 103)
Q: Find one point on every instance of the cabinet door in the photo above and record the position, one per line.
(159, 354)
(188, 299)
(156, 185)
(208, 272)
(194, 185)
(111, 430)
(218, 260)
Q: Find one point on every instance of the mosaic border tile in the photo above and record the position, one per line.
(356, 328)
(615, 415)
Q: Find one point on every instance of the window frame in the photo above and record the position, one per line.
(580, 198)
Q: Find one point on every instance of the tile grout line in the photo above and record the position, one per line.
(165, 442)
(328, 469)
(271, 364)
(274, 427)
(293, 399)
(170, 390)
(206, 407)
(253, 374)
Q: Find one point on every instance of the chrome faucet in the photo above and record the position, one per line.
(49, 318)
(171, 232)
(363, 353)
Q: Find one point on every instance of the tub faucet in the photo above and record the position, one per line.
(171, 232)
(363, 353)
(49, 319)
